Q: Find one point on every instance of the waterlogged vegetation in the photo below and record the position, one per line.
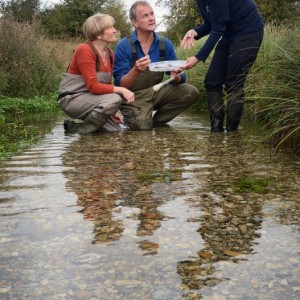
(253, 184)
(15, 136)
(16, 130)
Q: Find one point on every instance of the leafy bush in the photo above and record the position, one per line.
(65, 18)
(27, 69)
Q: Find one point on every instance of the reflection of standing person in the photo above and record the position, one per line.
(86, 91)
(236, 27)
(133, 56)
(229, 221)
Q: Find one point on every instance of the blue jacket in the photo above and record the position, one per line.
(123, 55)
(227, 19)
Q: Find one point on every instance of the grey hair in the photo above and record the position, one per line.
(132, 10)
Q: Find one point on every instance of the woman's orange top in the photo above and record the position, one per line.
(83, 62)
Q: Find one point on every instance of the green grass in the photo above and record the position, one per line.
(19, 106)
(274, 84)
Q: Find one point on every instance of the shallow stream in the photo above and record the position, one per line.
(175, 213)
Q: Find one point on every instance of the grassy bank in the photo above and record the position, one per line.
(30, 68)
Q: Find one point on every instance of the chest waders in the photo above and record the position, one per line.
(138, 115)
(79, 103)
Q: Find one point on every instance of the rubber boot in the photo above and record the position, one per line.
(71, 126)
(235, 105)
(92, 124)
(216, 110)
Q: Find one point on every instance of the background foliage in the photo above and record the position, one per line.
(184, 14)
(25, 70)
(66, 18)
(21, 10)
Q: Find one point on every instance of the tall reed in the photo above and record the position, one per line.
(274, 84)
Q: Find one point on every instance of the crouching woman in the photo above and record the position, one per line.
(86, 91)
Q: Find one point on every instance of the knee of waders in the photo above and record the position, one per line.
(110, 106)
(116, 100)
(190, 93)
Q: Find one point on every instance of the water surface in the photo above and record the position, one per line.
(156, 215)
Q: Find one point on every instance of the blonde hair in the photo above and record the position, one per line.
(96, 24)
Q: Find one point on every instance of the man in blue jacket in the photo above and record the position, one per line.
(133, 54)
(235, 29)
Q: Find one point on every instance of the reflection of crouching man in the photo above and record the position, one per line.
(133, 55)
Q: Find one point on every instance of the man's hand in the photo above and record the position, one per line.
(142, 63)
(176, 76)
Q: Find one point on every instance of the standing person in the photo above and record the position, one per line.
(86, 91)
(235, 27)
(133, 56)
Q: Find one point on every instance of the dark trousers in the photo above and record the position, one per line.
(231, 63)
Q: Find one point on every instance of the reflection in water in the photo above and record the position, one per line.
(230, 222)
(146, 170)
(160, 217)
(131, 172)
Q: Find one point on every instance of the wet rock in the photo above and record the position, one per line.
(243, 228)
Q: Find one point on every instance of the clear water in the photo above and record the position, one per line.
(150, 215)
